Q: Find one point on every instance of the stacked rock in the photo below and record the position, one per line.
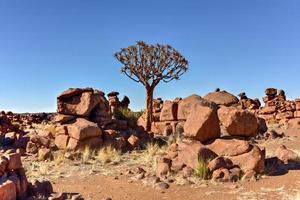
(277, 108)
(247, 103)
(113, 102)
(297, 107)
(81, 113)
(271, 93)
(86, 119)
(13, 181)
(226, 159)
(6, 124)
(40, 142)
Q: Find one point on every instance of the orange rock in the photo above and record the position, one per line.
(238, 122)
(202, 124)
(229, 147)
(8, 191)
(83, 129)
(169, 111)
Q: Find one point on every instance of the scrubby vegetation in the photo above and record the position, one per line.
(127, 114)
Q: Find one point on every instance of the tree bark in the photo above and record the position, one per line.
(149, 107)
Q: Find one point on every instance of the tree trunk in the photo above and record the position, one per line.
(149, 107)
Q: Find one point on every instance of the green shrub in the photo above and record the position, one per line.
(202, 171)
(126, 114)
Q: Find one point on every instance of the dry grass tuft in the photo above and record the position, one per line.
(108, 154)
(59, 158)
(51, 128)
(87, 155)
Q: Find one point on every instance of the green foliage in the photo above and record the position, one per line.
(202, 171)
(126, 114)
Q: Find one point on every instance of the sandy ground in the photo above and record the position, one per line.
(95, 181)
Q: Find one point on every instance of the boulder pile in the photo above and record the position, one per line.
(277, 109)
(215, 130)
(85, 119)
(204, 118)
(225, 160)
(13, 181)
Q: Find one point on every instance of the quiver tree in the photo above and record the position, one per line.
(149, 65)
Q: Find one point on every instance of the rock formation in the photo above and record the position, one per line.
(277, 109)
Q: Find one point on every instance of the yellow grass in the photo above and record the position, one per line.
(87, 155)
(108, 154)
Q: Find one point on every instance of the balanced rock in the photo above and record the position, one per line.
(78, 101)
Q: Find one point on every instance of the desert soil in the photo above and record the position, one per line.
(96, 181)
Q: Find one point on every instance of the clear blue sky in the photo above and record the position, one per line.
(47, 46)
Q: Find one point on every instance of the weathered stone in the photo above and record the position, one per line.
(60, 118)
(221, 175)
(93, 143)
(271, 91)
(162, 169)
(8, 190)
(202, 124)
(262, 126)
(31, 148)
(14, 161)
(190, 153)
(169, 111)
(268, 110)
(186, 105)
(61, 141)
(222, 98)
(297, 114)
(83, 129)
(219, 162)
(252, 160)
(159, 127)
(238, 122)
(133, 141)
(187, 172)
(229, 147)
(78, 101)
(285, 154)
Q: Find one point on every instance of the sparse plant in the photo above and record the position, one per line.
(87, 154)
(59, 157)
(51, 128)
(43, 170)
(150, 64)
(152, 149)
(108, 154)
(127, 114)
(202, 171)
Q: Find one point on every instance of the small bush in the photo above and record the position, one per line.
(126, 114)
(202, 171)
